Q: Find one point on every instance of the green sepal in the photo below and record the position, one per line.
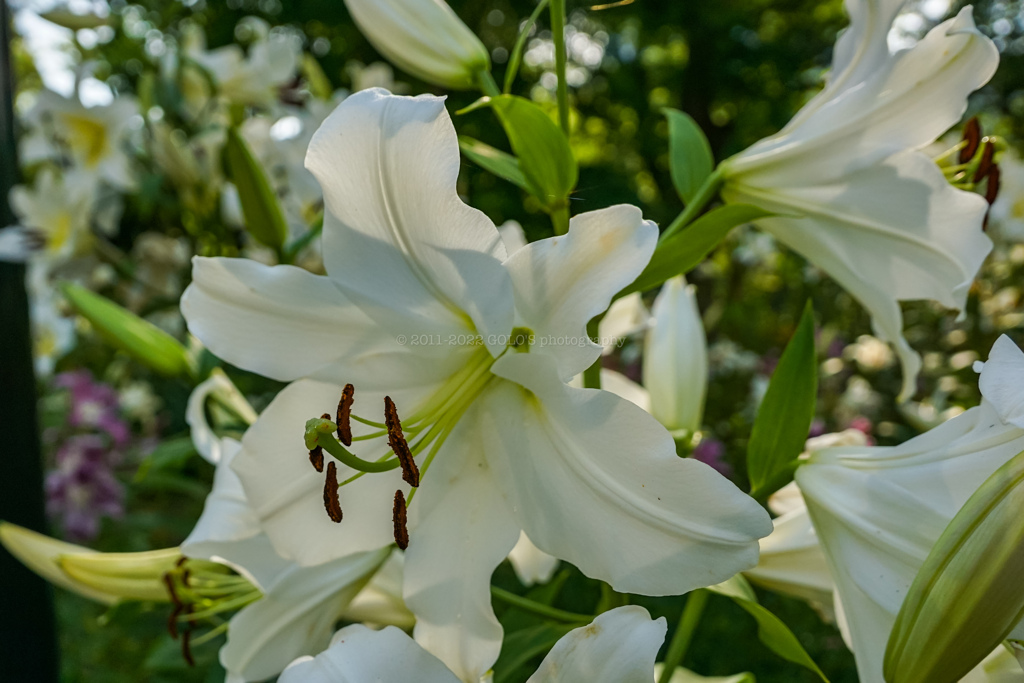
(690, 159)
(784, 419)
(143, 340)
(771, 630)
(263, 216)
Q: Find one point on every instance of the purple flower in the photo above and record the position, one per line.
(82, 489)
(711, 451)
(94, 405)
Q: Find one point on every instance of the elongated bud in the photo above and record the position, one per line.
(676, 358)
(968, 595)
(425, 38)
(143, 340)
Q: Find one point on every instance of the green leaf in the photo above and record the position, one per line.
(543, 150)
(690, 158)
(263, 216)
(143, 340)
(770, 629)
(784, 418)
(516, 56)
(501, 164)
(169, 455)
(685, 250)
(523, 645)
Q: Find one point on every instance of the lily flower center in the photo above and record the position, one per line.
(972, 164)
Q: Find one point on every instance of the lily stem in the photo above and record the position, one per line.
(704, 195)
(684, 633)
(558, 35)
(488, 86)
(592, 375)
(528, 605)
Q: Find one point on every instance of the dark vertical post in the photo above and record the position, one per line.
(28, 646)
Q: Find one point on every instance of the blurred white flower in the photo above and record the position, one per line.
(852, 193)
(1007, 214)
(54, 217)
(250, 79)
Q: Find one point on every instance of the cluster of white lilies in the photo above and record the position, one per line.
(436, 369)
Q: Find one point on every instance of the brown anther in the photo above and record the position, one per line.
(988, 155)
(401, 521)
(396, 439)
(186, 647)
(172, 621)
(331, 502)
(972, 136)
(316, 456)
(343, 419)
(992, 185)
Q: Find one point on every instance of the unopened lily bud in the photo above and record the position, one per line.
(425, 38)
(968, 596)
(676, 358)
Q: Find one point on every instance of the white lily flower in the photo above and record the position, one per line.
(425, 38)
(619, 646)
(878, 511)
(676, 358)
(94, 137)
(852, 193)
(205, 439)
(54, 217)
(531, 564)
(254, 78)
(421, 303)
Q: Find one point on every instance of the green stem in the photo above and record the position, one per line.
(704, 195)
(560, 220)
(684, 633)
(558, 35)
(592, 375)
(488, 86)
(537, 608)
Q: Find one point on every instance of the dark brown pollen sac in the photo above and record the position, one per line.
(316, 457)
(344, 416)
(396, 439)
(331, 502)
(401, 520)
(972, 136)
(992, 186)
(186, 647)
(986, 164)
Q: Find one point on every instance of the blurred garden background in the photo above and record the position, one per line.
(121, 471)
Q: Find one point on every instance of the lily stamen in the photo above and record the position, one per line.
(398, 444)
(331, 502)
(344, 414)
(400, 517)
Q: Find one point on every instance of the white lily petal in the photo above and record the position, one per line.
(1001, 380)
(888, 233)
(257, 317)
(619, 646)
(287, 493)
(999, 667)
(396, 236)
(562, 282)
(878, 512)
(621, 386)
(531, 564)
(380, 602)
(572, 461)
(462, 531)
(296, 618)
(14, 245)
(206, 441)
(681, 675)
(512, 236)
(359, 655)
(676, 358)
(625, 317)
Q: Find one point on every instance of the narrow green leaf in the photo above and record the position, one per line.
(522, 646)
(315, 77)
(263, 216)
(501, 164)
(684, 251)
(690, 158)
(770, 629)
(543, 150)
(169, 455)
(515, 58)
(784, 418)
(146, 342)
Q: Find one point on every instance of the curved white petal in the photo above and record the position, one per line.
(625, 317)
(562, 282)
(596, 481)
(621, 386)
(14, 243)
(531, 564)
(879, 511)
(359, 655)
(893, 232)
(619, 646)
(206, 441)
(380, 602)
(285, 323)
(512, 236)
(1002, 381)
(296, 618)
(676, 358)
(425, 38)
(461, 531)
(905, 102)
(286, 493)
(396, 236)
